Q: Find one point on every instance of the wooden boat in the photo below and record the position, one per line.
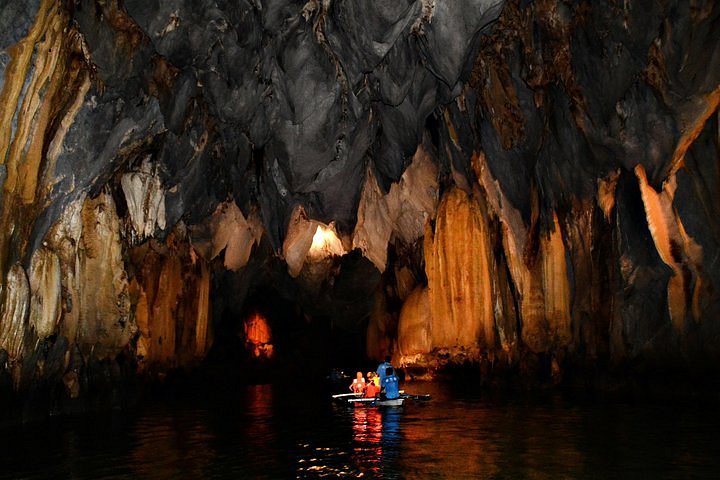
(359, 399)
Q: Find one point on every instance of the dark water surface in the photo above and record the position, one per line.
(267, 431)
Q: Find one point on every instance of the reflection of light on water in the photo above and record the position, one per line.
(324, 462)
(372, 450)
(367, 425)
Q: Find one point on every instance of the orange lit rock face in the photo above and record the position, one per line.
(172, 291)
(678, 250)
(457, 263)
(258, 336)
(415, 325)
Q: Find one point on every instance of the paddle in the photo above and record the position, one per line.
(424, 396)
(351, 394)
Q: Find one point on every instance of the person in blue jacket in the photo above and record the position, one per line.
(388, 380)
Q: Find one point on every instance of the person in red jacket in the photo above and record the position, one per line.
(358, 384)
(371, 388)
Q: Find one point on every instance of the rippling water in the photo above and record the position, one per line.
(269, 432)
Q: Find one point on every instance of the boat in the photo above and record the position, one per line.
(359, 399)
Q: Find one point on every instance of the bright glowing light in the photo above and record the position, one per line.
(258, 336)
(325, 243)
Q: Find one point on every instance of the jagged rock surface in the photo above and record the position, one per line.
(518, 179)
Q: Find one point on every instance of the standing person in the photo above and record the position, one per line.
(388, 380)
(382, 369)
(358, 384)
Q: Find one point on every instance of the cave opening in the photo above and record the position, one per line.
(281, 330)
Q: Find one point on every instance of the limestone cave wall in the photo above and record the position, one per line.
(529, 184)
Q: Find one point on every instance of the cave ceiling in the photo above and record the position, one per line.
(517, 176)
(281, 103)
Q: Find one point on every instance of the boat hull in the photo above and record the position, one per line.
(373, 402)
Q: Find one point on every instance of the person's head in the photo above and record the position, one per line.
(359, 376)
(387, 358)
(369, 375)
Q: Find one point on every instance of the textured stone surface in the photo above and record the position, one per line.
(546, 172)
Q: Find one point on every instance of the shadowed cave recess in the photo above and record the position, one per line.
(528, 190)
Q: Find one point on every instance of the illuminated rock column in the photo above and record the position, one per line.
(458, 267)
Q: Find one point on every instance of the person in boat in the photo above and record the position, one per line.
(372, 388)
(389, 384)
(358, 384)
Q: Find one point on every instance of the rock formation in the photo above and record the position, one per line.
(526, 184)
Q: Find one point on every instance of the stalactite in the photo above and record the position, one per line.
(514, 238)
(203, 334)
(676, 249)
(14, 313)
(374, 225)
(299, 239)
(457, 259)
(402, 212)
(704, 110)
(45, 290)
(415, 334)
(606, 192)
(591, 311)
(145, 200)
(105, 324)
(172, 306)
(556, 288)
(64, 240)
(228, 230)
(41, 82)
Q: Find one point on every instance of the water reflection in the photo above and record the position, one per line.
(271, 432)
(171, 446)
